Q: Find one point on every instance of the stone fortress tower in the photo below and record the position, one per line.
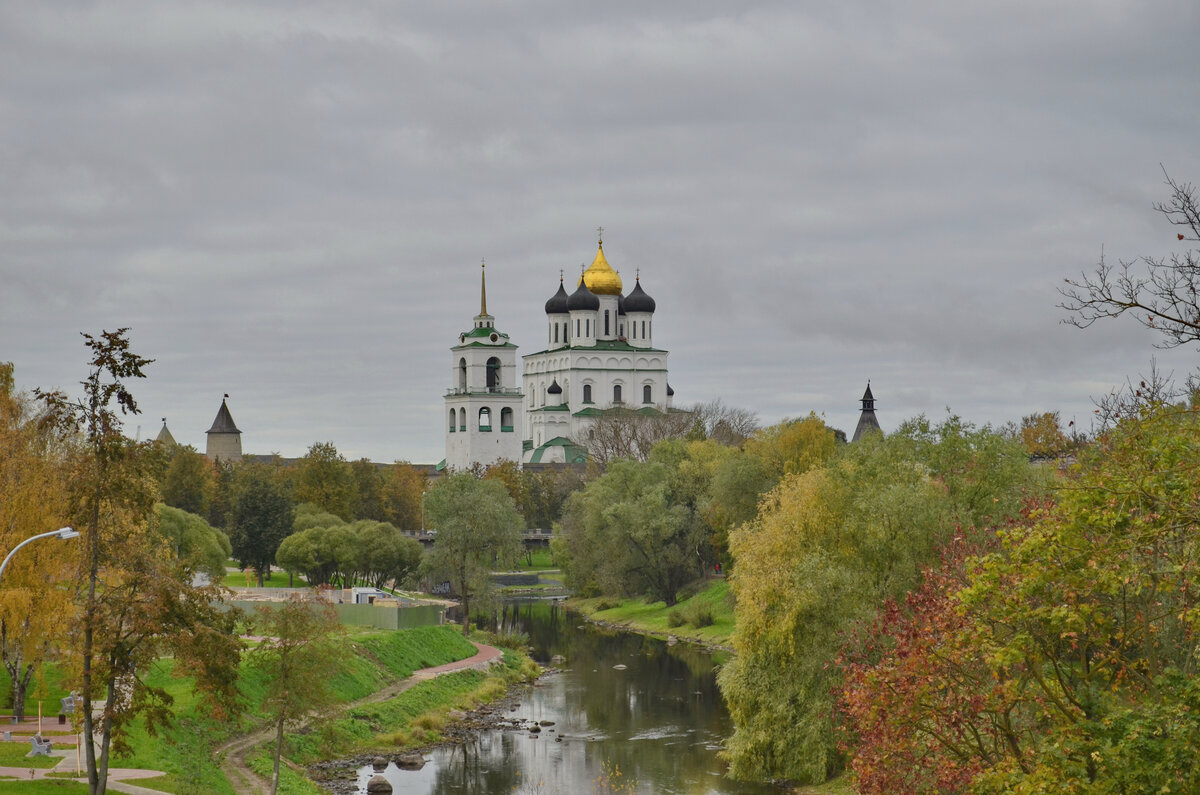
(599, 356)
(483, 403)
(867, 421)
(224, 438)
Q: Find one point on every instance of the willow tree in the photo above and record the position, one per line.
(478, 531)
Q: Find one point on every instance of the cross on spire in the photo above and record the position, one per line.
(600, 234)
(483, 286)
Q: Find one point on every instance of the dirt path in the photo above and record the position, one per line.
(233, 753)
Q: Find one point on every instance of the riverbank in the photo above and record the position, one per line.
(705, 617)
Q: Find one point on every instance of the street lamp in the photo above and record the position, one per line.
(64, 532)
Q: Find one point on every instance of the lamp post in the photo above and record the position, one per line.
(422, 513)
(64, 532)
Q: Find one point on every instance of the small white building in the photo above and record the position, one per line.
(483, 404)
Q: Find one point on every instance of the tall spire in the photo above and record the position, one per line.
(483, 287)
(867, 422)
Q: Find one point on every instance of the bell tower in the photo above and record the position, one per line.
(483, 404)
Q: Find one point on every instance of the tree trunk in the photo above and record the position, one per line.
(19, 691)
(95, 785)
(278, 753)
(259, 572)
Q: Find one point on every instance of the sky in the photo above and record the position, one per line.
(288, 202)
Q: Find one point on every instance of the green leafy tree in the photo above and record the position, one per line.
(260, 520)
(198, 546)
(299, 657)
(478, 531)
(186, 484)
(219, 494)
(368, 490)
(632, 531)
(324, 478)
(137, 603)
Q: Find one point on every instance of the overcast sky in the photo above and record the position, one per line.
(289, 202)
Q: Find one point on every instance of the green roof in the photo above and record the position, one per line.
(552, 408)
(484, 345)
(441, 465)
(601, 345)
(590, 411)
(484, 331)
(573, 453)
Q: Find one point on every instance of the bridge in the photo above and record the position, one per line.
(533, 538)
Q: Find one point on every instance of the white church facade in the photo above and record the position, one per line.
(599, 356)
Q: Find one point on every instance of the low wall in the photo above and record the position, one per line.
(378, 616)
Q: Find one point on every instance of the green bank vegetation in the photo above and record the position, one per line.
(705, 616)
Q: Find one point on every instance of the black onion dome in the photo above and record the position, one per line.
(620, 304)
(557, 305)
(554, 389)
(670, 392)
(583, 298)
(638, 301)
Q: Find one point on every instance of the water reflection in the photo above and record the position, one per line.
(659, 722)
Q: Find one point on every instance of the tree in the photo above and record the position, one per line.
(36, 597)
(325, 480)
(186, 484)
(261, 519)
(196, 544)
(478, 531)
(368, 490)
(633, 531)
(825, 550)
(403, 491)
(137, 604)
(1043, 436)
(628, 433)
(1161, 294)
(299, 657)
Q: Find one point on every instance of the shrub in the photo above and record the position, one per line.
(675, 619)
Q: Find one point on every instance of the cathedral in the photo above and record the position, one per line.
(599, 356)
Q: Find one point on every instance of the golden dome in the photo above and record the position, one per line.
(600, 278)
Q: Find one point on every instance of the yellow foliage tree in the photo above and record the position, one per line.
(35, 604)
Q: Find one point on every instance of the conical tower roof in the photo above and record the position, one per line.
(224, 421)
(164, 436)
(867, 422)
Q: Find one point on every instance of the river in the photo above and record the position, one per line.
(654, 726)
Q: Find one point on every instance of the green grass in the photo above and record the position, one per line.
(415, 717)
(290, 782)
(47, 686)
(278, 579)
(656, 617)
(184, 751)
(51, 787)
(16, 754)
(542, 560)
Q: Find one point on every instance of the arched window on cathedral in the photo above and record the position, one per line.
(606, 322)
(617, 393)
(646, 393)
(506, 420)
(452, 423)
(462, 375)
(556, 332)
(485, 419)
(462, 419)
(493, 374)
(587, 393)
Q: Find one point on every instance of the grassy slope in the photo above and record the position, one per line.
(654, 617)
(185, 751)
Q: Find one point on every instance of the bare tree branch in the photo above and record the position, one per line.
(1161, 294)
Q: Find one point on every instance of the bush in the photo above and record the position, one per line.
(700, 616)
(604, 604)
(675, 619)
